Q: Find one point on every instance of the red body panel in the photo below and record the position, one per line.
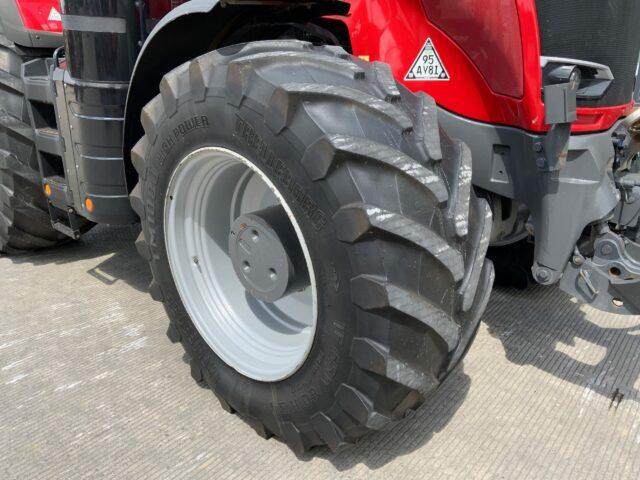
(395, 31)
(493, 60)
(464, 21)
(159, 8)
(41, 15)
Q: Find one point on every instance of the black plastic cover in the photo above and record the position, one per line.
(101, 39)
(102, 42)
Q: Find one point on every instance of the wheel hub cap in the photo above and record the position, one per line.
(266, 254)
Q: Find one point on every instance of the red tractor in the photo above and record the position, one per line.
(319, 182)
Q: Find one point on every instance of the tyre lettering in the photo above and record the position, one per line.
(269, 159)
(181, 131)
(200, 121)
(332, 365)
(304, 402)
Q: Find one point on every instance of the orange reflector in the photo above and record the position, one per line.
(47, 190)
(88, 204)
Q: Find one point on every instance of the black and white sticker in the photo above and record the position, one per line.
(54, 15)
(428, 65)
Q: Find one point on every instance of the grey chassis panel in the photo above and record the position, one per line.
(562, 203)
(14, 29)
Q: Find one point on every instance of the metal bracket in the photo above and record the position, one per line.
(560, 110)
(609, 281)
(551, 151)
(560, 103)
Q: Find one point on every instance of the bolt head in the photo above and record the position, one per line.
(606, 249)
(543, 275)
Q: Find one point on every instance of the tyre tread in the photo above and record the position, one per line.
(24, 222)
(355, 220)
(357, 407)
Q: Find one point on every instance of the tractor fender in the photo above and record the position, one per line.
(191, 30)
(166, 47)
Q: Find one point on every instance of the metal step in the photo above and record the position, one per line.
(38, 89)
(66, 230)
(48, 140)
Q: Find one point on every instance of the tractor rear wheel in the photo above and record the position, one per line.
(24, 217)
(313, 235)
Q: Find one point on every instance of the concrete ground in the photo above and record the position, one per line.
(90, 387)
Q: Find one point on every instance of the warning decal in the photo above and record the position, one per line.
(54, 15)
(428, 65)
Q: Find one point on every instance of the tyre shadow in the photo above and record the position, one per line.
(412, 433)
(116, 243)
(540, 327)
(548, 329)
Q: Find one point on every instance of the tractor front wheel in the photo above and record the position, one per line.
(313, 235)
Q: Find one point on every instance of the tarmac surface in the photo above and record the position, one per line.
(90, 387)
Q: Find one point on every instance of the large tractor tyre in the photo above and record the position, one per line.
(282, 160)
(24, 217)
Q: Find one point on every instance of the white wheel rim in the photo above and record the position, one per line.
(208, 190)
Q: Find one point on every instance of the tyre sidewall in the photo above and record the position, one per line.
(311, 388)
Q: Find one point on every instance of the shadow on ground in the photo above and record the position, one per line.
(116, 243)
(380, 448)
(539, 327)
(547, 329)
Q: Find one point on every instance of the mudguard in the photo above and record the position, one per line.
(148, 70)
(168, 46)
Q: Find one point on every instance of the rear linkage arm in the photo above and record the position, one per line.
(610, 280)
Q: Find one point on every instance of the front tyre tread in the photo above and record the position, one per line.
(386, 381)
